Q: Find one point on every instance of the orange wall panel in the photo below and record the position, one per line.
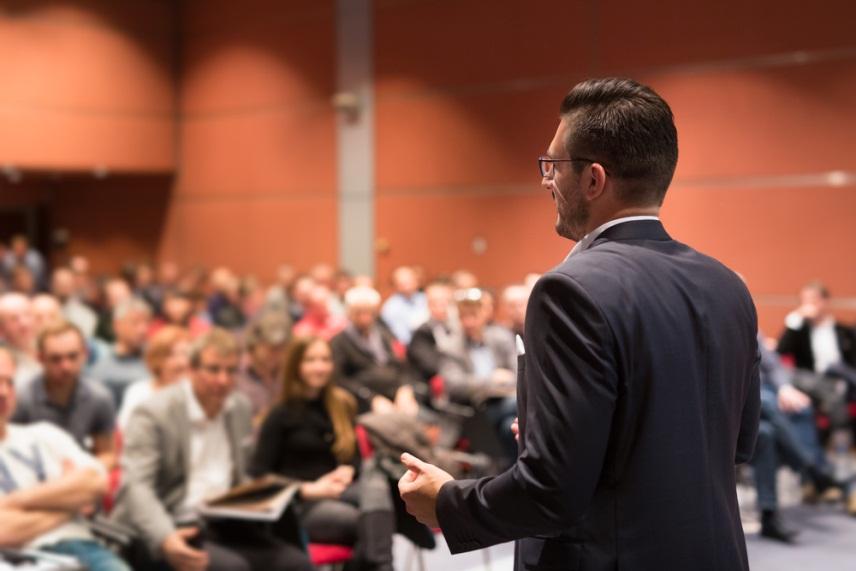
(254, 235)
(286, 151)
(87, 84)
(437, 231)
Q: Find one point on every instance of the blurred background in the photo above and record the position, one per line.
(250, 134)
(268, 138)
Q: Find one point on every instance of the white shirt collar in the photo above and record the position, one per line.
(589, 238)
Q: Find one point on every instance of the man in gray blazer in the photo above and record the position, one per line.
(478, 363)
(188, 442)
(639, 388)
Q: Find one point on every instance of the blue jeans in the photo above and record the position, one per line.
(90, 553)
(783, 439)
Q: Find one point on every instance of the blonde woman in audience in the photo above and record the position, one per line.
(309, 437)
(167, 357)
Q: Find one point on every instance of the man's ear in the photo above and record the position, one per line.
(595, 181)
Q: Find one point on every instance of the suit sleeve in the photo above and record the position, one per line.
(141, 459)
(566, 412)
(751, 414)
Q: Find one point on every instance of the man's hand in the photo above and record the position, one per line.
(180, 555)
(419, 488)
(515, 428)
(792, 400)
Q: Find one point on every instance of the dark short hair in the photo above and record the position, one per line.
(629, 129)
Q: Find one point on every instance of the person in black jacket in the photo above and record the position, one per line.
(309, 437)
(368, 362)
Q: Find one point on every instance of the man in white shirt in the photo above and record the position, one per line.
(186, 444)
(47, 486)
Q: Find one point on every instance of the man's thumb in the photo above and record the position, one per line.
(413, 463)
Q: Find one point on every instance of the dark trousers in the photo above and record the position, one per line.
(363, 516)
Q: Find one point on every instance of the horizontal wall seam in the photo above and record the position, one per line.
(829, 179)
(91, 112)
(800, 58)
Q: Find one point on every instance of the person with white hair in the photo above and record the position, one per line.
(18, 332)
(120, 364)
(369, 361)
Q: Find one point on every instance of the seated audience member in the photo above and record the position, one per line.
(298, 296)
(120, 364)
(325, 275)
(46, 311)
(786, 436)
(406, 309)
(224, 304)
(277, 298)
(47, 486)
(64, 287)
(422, 352)
(813, 338)
(260, 381)
(60, 395)
(318, 320)
(188, 443)
(23, 281)
(309, 437)
(114, 292)
(18, 332)
(513, 308)
(464, 279)
(479, 364)
(168, 358)
(819, 345)
(177, 309)
(366, 364)
(20, 254)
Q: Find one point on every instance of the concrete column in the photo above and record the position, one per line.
(355, 135)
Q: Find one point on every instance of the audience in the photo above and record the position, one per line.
(406, 309)
(479, 366)
(64, 287)
(168, 358)
(21, 255)
(309, 437)
(18, 332)
(188, 443)
(219, 399)
(786, 436)
(48, 485)
(260, 379)
(60, 395)
(422, 352)
(120, 364)
(366, 364)
(318, 320)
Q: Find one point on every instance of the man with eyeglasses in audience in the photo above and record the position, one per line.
(61, 396)
(188, 443)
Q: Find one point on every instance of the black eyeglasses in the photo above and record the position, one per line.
(546, 165)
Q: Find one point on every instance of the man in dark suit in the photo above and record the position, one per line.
(813, 338)
(638, 391)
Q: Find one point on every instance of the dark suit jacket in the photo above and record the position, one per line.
(358, 372)
(797, 343)
(638, 394)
